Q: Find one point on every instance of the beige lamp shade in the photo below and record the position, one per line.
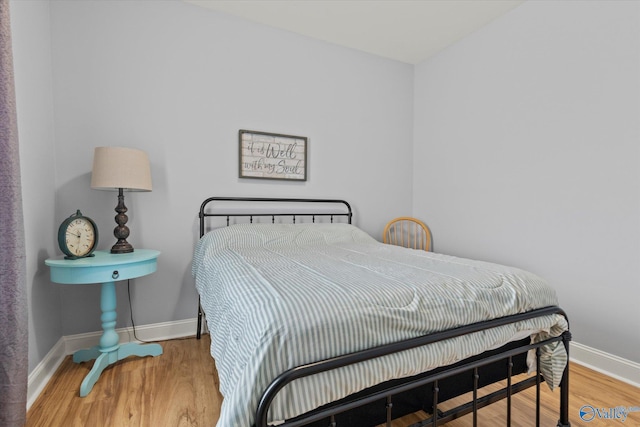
(117, 167)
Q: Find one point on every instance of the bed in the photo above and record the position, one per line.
(313, 322)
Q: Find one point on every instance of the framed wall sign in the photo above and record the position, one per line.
(272, 156)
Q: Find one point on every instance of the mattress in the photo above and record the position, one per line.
(277, 296)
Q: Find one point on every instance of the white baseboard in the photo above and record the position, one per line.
(42, 373)
(608, 364)
(154, 332)
(69, 344)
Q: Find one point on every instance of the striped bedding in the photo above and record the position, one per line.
(278, 296)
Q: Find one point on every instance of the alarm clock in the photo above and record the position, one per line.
(78, 236)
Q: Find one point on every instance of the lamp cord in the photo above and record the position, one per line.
(133, 325)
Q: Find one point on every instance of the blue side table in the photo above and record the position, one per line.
(106, 268)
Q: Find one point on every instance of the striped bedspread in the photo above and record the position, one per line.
(278, 296)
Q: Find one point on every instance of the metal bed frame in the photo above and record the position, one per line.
(492, 366)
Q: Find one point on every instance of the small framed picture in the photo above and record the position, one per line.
(266, 155)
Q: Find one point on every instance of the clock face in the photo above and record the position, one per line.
(80, 237)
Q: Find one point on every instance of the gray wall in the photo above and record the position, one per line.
(179, 81)
(524, 140)
(33, 78)
(527, 152)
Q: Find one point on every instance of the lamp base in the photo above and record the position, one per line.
(121, 232)
(122, 248)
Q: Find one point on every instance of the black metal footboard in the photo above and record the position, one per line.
(330, 413)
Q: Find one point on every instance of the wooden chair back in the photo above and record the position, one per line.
(408, 232)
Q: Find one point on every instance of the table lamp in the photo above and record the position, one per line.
(117, 168)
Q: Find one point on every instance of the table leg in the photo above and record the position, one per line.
(87, 354)
(98, 366)
(109, 339)
(141, 350)
(109, 350)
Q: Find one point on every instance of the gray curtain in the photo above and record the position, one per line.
(13, 300)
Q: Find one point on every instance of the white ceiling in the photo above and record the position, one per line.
(404, 30)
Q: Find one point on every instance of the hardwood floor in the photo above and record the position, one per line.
(180, 388)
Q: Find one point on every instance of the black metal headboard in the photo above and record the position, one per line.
(342, 209)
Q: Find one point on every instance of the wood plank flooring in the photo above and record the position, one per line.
(177, 388)
(180, 388)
